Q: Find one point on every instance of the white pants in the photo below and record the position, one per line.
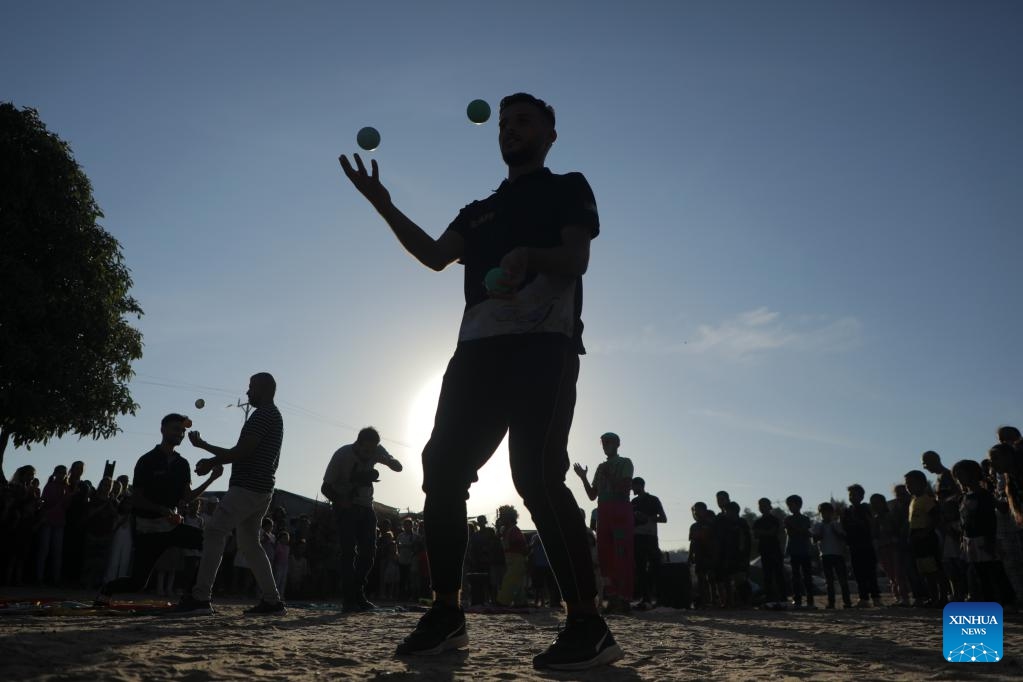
(243, 510)
(119, 563)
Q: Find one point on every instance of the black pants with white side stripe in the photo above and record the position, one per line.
(522, 385)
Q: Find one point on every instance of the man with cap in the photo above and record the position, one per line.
(612, 483)
(162, 482)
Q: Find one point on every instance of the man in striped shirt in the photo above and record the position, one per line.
(254, 459)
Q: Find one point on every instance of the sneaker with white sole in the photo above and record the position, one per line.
(584, 642)
(440, 629)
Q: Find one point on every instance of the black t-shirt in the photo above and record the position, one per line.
(977, 514)
(646, 508)
(529, 212)
(857, 523)
(767, 530)
(162, 481)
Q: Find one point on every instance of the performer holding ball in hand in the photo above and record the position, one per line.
(254, 466)
(514, 370)
(162, 480)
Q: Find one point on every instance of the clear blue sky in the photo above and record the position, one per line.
(809, 265)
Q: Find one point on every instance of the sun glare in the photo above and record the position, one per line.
(421, 412)
(494, 487)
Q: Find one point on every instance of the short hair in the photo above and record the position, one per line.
(878, 496)
(916, 475)
(1003, 449)
(722, 493)
(172, 417)
(794, 500)
(764, 499)
(525, 98)
(825, 507)
(701, 506)
(267, 379)
(856, 487)
(931, 454)
(969, 468)
(734, 506)
(368, 433)
(639, 481)
(1008, 433)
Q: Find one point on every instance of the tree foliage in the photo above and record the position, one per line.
(66, 346)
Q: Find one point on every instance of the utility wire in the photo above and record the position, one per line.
(291, 407)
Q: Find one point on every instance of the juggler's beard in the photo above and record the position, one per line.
(519, 157)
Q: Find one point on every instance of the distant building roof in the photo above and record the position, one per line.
(296, 504)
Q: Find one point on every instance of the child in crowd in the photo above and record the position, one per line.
(703, 554)
(56, 497)
(119, 559)
(390, 576)
(767, 528)
(738, 571)
(797, 530)
(281, 559)
(1007, 464)
(406, 547)
(267, 540)
(923, 537)
(298, 569)
(165, 570)
(987, 578)
(190, 557)
(891, 527)
(952, 563)
(513, 588)
(830, 538)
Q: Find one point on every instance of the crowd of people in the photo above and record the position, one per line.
(525, 249)
(958, 538)
(70, 533)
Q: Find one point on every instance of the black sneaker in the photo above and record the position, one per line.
(191, 606)
(440, 629)
(583, 643)
(265, 608)
(357, 605)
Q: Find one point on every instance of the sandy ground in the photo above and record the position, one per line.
(320, 642)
